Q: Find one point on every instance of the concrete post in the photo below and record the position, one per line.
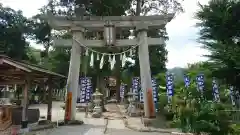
(145, 71)
(73, 75)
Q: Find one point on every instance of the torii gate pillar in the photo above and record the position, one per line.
(145, 71)
(73, 75)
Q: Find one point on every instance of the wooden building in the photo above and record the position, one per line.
(20, 73)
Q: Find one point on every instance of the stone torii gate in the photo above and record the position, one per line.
(108, 25)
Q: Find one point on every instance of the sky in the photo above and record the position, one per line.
(182, 45)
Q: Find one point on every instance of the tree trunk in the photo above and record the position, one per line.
(138, 8)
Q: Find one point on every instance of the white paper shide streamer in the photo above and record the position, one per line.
(124, 60)
(98, 57)
(113, 62)
(102, 62)
(111, 56)
(92, 60)
(109, 59)
(121, 57)
(86, 52)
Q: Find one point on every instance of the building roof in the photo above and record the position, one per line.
(16, 70)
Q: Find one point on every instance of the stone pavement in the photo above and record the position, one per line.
(115, 120)
(92, 126)
(117, 114)
(88, 130)
(58, 114)
(73, 130)
(131, 132)
(136, 124)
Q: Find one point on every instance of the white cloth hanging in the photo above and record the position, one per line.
(109, 59)
(98, 57)
(124, 60)
(121, 56)
(36, 88)
(86, 52)
(113, 62)
(102, 62)
(92, 60)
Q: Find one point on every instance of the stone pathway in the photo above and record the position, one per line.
(74, 130)
(112, 111)
(114, 116)
(136, 124)
(116, 124)
(92, 126)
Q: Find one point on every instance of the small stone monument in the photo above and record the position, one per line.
(131, 110)
(97, 110)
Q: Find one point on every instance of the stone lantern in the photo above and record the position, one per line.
(131, 110)
(97, 110)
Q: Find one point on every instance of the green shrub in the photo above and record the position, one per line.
(235, 129)
(194, 113)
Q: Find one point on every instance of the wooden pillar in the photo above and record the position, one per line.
(49, 107)
(44, 98)
(145, 71)
(73, 75)
(24, 123)
(15, 91)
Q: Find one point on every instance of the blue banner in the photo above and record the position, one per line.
(170, 86)
(122, 90)
(155, 90)
(232, 95)
(85, 90)
(135, 86)
(186, 81)
(200, 83)
(216, 96)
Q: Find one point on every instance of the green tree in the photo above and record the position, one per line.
(14, 29)
(41, 30)
(158, 53)
(220, 34)
(100, 7)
